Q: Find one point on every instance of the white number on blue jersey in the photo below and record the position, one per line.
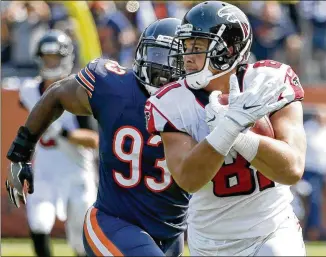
(134, 158)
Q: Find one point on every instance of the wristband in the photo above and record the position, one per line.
(247, 145)
(224, 135)
(22, 149)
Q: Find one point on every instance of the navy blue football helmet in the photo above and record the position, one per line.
(151, 65)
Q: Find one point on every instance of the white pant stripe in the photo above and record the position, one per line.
(93, 236)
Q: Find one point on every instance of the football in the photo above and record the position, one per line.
(262, 127)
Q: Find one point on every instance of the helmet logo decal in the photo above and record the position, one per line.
(165, 39)
(232, 14)
(184, 30)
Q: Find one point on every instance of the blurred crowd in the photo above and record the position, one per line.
(293, 32)
(310, 192)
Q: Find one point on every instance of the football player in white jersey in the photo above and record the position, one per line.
(64, 160)
(240, 180)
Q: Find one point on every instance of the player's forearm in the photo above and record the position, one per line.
(206, 158)
(84, 137)
(65, 94)
(278, 161)
(45, 112)
(198, 167)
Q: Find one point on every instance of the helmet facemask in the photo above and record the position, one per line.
(219, 56)
(62, 68)
(152, 66)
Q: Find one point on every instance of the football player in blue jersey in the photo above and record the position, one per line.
(140, 210)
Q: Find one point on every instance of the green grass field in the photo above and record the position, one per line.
(22, 247)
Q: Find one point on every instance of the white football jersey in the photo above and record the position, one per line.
(239, 202)
(54, 155)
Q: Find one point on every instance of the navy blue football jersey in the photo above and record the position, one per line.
(135, 184)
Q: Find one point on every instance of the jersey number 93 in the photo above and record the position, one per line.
(134, 158)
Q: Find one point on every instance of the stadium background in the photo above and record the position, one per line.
(92, 23)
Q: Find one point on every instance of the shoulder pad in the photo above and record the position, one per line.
(97, 70)
(284, 72)
(171, 109)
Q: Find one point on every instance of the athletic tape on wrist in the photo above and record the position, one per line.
(247, 145)
(223, 136)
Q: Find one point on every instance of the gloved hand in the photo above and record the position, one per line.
(15, 183)
(260, 99)
(215, 113)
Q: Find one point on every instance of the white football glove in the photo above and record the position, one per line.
(215, 113)
(259, 100)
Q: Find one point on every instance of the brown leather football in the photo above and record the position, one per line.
(262, 127)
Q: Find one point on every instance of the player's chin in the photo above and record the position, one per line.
(160, 81)
(191, 71)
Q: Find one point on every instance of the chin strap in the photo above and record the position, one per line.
(201, 79)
